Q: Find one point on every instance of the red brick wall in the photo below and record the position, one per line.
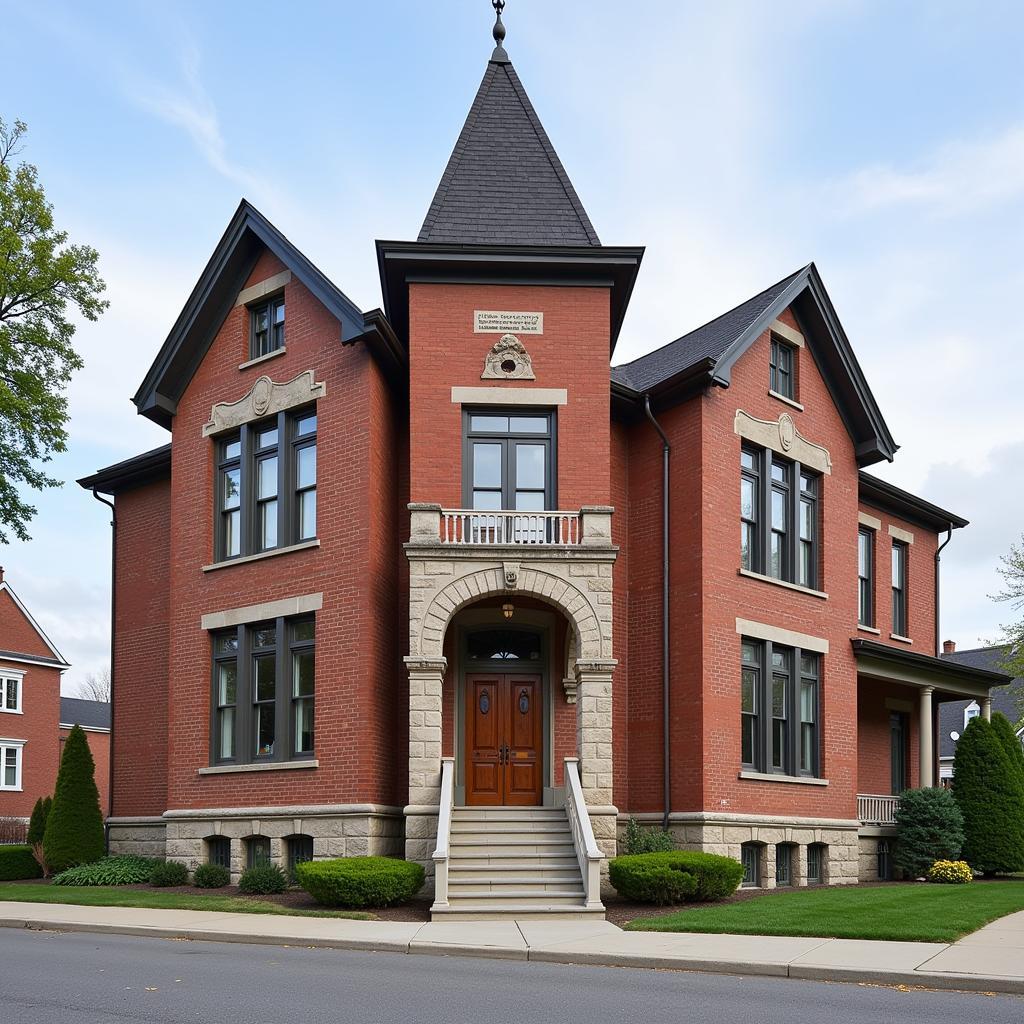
(17, 634)
(620, 616)
(874, 771)
(99, 747)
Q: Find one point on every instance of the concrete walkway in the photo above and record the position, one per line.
(992, 959)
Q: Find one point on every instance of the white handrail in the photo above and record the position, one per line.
(588, 853)
(877, 809)
(444, 830)
(520, 529)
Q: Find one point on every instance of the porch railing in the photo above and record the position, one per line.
(877, 809)
(444, 830)
(588, 853)
(470, 526)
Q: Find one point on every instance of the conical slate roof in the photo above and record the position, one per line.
(504, 183)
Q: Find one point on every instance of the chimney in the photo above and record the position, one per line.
(948, 646)
(1, 574)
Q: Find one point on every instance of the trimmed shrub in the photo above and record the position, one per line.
(124, 870)
(74, 829)
(360, 881)
(675, 877)
(262, 880)
(929, 827)
(990, 794)
(211, 876)
(171, 872)
(646, 840)
(17, 862)
(951, 872)
(1003, 729)
(37, 823)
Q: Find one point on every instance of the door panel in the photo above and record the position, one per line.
(483, 740)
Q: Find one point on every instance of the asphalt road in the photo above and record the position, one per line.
(51, 978)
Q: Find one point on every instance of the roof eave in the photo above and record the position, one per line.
(886, 496)
(130, 473)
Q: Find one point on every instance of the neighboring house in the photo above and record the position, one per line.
(954, 715)
(30, 672)
(94, 718)
(398, 566)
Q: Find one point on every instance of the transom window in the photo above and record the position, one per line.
(780, 372)
(11, 764)
(866, 576)
(504, 645)
(779, 702)
(263, 692)
(10, 691)
(266, 485)
(778, 517)
(899, 588)
(508, 461)
(266, 327)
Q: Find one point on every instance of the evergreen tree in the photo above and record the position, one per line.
(74, 830)
(37, 822)
(1011, 744)
(988, 789)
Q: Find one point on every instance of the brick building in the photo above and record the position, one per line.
(438, 580)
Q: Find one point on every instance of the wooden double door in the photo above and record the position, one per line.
(504, 745)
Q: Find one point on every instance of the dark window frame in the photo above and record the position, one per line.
(275, 331)
(795, 677)
(899, 752)
(866, 578)
(883, 855)
(817, 863)
(782, 362)
(900, 574)
(246, 653)
(752, 859)
(296, 848)
(258, 850)
(218, 851)
(784, 864)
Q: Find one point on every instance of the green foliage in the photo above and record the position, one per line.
(170, 872)
(74, 829)
(1011, 744)
(675, 877)
(929, 827)
(41, 276)
(17, 862)
(124, 870)
(262, 880)
(646, 840)
(37, 822)
(951, 872)
(211, 876)
(360, 881)
(990, 794)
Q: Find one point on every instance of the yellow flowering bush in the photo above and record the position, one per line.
(952, 872)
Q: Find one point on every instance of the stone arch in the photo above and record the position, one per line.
(592, 640)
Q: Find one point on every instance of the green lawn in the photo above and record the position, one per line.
(912, 912)
(115, 896)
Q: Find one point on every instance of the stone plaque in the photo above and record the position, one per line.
(487, 321)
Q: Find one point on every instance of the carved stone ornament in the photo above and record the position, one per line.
(508, 360)
(787, 431)
(264, 398)
(510, 572)
(782, 436)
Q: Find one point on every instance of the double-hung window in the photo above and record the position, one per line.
(780, 371)
(899, 587)
(866, 576)
(266, 485)
(266, 333)
(779, 517)
(11, 764)
(263, 692)
(10, 691)
(779, 709)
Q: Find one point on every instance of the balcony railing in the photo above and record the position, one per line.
(470, 526)
(877, 810)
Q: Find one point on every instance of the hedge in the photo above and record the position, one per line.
(211, 876)
(171, 872)
(675, 877)
(17, 862)
(360, 881)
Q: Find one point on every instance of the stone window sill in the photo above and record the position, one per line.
(12, 711)
(788, 401)
(305, 545)
(262, 359)
(783, 583)
(900, 639)
(270, 766)
(801, 780)
(869, 629)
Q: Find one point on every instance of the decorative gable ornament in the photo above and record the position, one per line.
(508, 360)
(264, 398)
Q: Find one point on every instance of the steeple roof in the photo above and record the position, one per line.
(504, 183)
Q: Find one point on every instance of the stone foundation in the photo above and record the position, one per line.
(143, 837)
(868, 850)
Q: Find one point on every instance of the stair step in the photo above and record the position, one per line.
(506, 838)
(505, 860)
(478, 848)
(502, 827)
(518, 912)
(514, 901)
(525, 888)
(542, 881)
(508, 814)
(457, 869)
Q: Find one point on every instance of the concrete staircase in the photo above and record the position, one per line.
(513, 862)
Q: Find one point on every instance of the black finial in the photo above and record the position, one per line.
(499, 55)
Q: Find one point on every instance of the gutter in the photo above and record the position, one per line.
(665, 668)
(938, 558)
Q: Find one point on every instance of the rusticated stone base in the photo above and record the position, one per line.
(143, 837)
(868, 845)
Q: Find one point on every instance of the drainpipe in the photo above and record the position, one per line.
(938, 558)
(113, 593)
(665, 675)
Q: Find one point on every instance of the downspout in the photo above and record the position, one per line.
(938, 558)
(665, 674)
(113, 593)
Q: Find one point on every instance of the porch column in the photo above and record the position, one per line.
(986, 708)
(926, 731)
(426, 676)
(594, 747)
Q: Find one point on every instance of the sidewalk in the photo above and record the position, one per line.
(992, 959)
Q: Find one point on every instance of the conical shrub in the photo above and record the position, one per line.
(37, 822)
(1011, 744)
(74, 829)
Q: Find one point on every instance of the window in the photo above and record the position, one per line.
(779, 716)
(775, 494)
(884, 861)
(971, 711)
(508, 461)
(218, 851)
(780, 375)
(257, 851)
(899, 588)
(866, 577)
(10, 691)
(750, 857)
(267, 327)
(10, 764)
(298, 850)
(784, 864)
(266, 485)
(817, 858)
(263, 692)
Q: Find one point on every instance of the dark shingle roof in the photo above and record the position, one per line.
(705, 343)
(89, 714)
(504, 183)
(1004, 699)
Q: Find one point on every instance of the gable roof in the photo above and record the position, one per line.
(504, 183)
(57, 660)
(1004, 699)
(89, 714)
(707, 355)
(215, 293)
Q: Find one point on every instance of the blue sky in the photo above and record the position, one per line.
(737, 141)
